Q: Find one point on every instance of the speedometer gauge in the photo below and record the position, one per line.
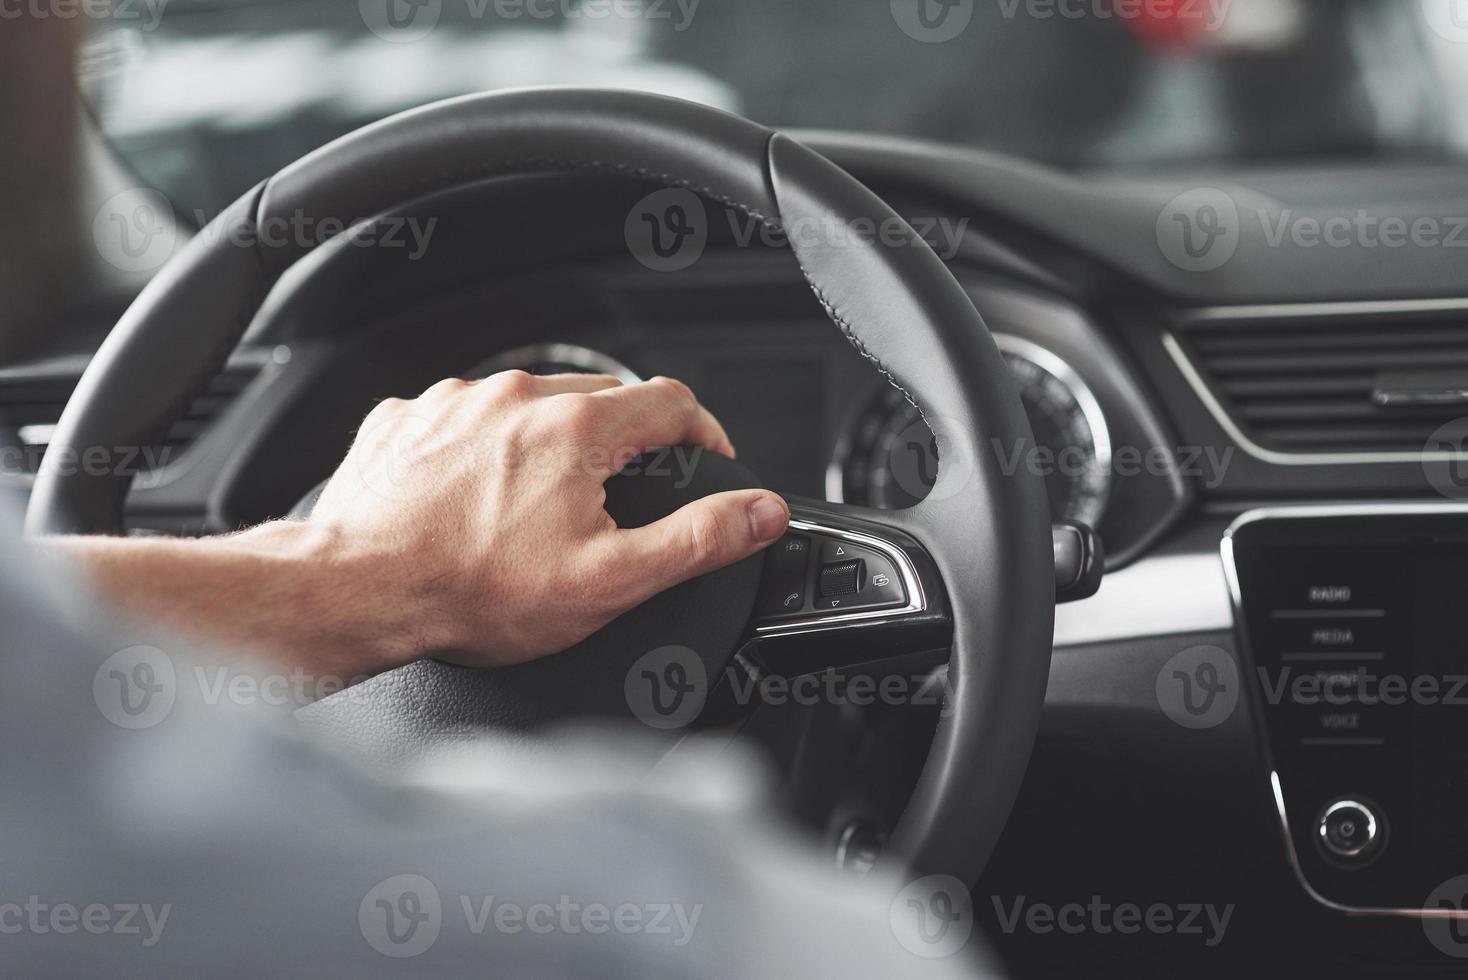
(887, 458)
(556, 359)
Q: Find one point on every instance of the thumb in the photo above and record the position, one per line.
(701, 537)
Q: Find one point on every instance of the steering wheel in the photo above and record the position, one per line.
(972, 564)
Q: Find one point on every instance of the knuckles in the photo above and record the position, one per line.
(513, 385)
(682, 392)
(577, 413)
(384, 412)
(708, 537)
(447, 388)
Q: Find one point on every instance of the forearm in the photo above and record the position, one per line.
(468, 521)
(288, 592)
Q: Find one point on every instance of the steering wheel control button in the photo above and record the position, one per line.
(834, 550)
(855, 577)
(883, 586)
(1079, 560)
(786, 585)
(819, 577)
(1070, 555)
(1349, 831)
(842, 579)
(860, 847)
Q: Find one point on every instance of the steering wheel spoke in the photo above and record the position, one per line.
(869, 594)
(846, 586)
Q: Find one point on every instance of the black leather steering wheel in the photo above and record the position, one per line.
(982, 536)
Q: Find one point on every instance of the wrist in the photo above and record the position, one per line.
(355, 608)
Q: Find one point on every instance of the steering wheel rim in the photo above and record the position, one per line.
(986, 526)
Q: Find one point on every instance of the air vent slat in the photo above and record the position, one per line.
(1340, 361)
(1311, 409)
(25, 394)
(1314, 341)
(1321, 436)
(35, 400)
(208, 406)
(1308, 388)
(32, 413)
(183, 432)
(1296, 386)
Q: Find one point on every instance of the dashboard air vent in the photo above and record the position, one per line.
(33, 396)
(1334, 386)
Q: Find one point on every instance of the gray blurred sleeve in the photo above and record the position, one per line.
(163, 817)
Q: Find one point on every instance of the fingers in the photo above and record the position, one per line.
(558, 384)
(660, 412)
(700, 537)
(623, 420)
(522, 384)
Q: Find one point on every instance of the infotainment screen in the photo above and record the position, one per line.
(1354, 630)
(1439, 711)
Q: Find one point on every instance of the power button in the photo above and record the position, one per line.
(1350, 831)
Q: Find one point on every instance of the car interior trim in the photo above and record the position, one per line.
(1236, 597)
(1061, 370)
(1042, 357)
(570, 355)
(1283, 311)
(917, 600)
(1163, 595)
(1226, 422)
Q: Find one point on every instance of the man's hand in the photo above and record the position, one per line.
(484, 500)
(469, 519)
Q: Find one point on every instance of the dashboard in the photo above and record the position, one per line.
(1165, 403)
(886, 456)
(365, 325)
(825, 425)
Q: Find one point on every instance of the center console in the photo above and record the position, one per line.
(1354, 649)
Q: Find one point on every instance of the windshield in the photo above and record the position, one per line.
(205, 98)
